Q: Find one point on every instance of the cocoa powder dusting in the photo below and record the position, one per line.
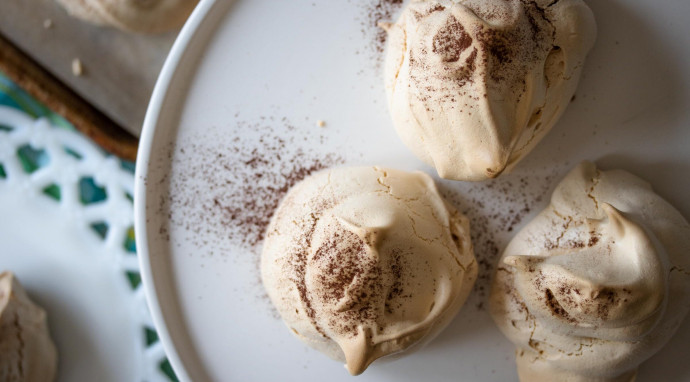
(593, 239)
(374, 12)
(511, 51)
(451, 40)
(598, 303)
(554, 306)
(342, 256)
(229, 191)
(348, 267)
(223, 192)
(345, 272)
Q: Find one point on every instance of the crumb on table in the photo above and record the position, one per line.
(77, 67)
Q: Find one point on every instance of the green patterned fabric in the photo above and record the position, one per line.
(14, 96)
(31, 159)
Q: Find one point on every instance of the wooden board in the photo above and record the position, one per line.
(119, 68)
(58, 97)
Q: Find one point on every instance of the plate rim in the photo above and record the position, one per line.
(149, 129)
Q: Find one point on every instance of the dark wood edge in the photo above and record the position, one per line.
(49, 90)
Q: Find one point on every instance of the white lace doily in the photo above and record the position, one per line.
(81, 190)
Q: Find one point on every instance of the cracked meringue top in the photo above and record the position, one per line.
(143, 16)
(363, 262)
(474, 85)
(597, 283)
(27, 353)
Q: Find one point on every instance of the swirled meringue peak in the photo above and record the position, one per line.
(474, 85)
(27, 353)
(597, 282)
(141, 16)
(365, 262)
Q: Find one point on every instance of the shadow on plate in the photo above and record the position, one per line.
(631, 94)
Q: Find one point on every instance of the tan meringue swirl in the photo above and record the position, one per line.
(596, 283)
(364, 262)
(474, 85)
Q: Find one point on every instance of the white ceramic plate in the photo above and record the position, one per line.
(240, 95)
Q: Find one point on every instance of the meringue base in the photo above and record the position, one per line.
(532, 368)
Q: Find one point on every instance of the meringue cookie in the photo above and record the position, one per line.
(27, 353)
(474, 85)
(143, 16)
(364, 262)
(597, 283)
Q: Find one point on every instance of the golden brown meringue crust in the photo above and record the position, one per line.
(597, 282)
(474, 85)
(364, 262)
(27, 353)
